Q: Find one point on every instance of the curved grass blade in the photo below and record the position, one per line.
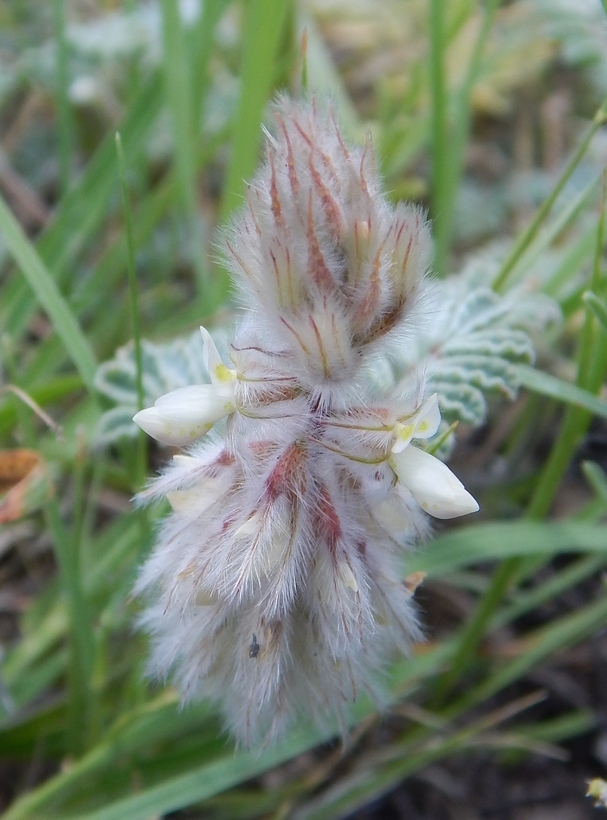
(50, 298)
(555, 388)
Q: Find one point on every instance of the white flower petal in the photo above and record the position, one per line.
(432, 484)
(221, 376)
(427, 420)
(198, 499)
(183, 415)
(423, 424)
(394, 516)
(404, 434)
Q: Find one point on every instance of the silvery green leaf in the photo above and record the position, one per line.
(115, 424)
(460, 401)
(488, 373)
(472, 342)
(502, 343)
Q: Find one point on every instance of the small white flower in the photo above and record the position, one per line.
(183, 415)
(188, 413)
(423, 424)
(222, 378)
(432, 484)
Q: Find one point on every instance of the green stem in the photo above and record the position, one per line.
(440, 138)
(201, 48)
(455, 150)
(82, 637)
(141, 468)
(530, 232)
(63, 103)
(262, 28)
(178, 85)
(592, 368)
(132, 273)
(48, 295)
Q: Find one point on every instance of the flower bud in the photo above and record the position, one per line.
(432, 484)
(184, 415)
(188, 413)
(320, 253)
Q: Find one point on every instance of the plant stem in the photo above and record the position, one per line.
(134, 298)
(440, 138)
(530, 232)
(63, 103)
(592, 368)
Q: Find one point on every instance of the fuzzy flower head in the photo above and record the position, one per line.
(276, 587)
(329, 265)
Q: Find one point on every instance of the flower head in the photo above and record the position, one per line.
(276, 583)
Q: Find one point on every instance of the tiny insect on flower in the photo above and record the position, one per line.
(276, 584)
(254, 647)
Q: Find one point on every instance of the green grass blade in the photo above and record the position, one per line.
(178, 86)
(201, 49)
(549, 590)
(175, 792)
(107, 275)
(263, 27)
(597, 306)
(63, 103)
(592, 369)
(141, 459)
(549, 235)
(497, 541)
(132, 274)
(596, 478)
(557, 636)
(159, 721)
(203, 782)
(527, 236)
(85, 205)
(48, 295)
(446, 179)
(82, 638)
(546, 385)
(440, 133)
(575, 258)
